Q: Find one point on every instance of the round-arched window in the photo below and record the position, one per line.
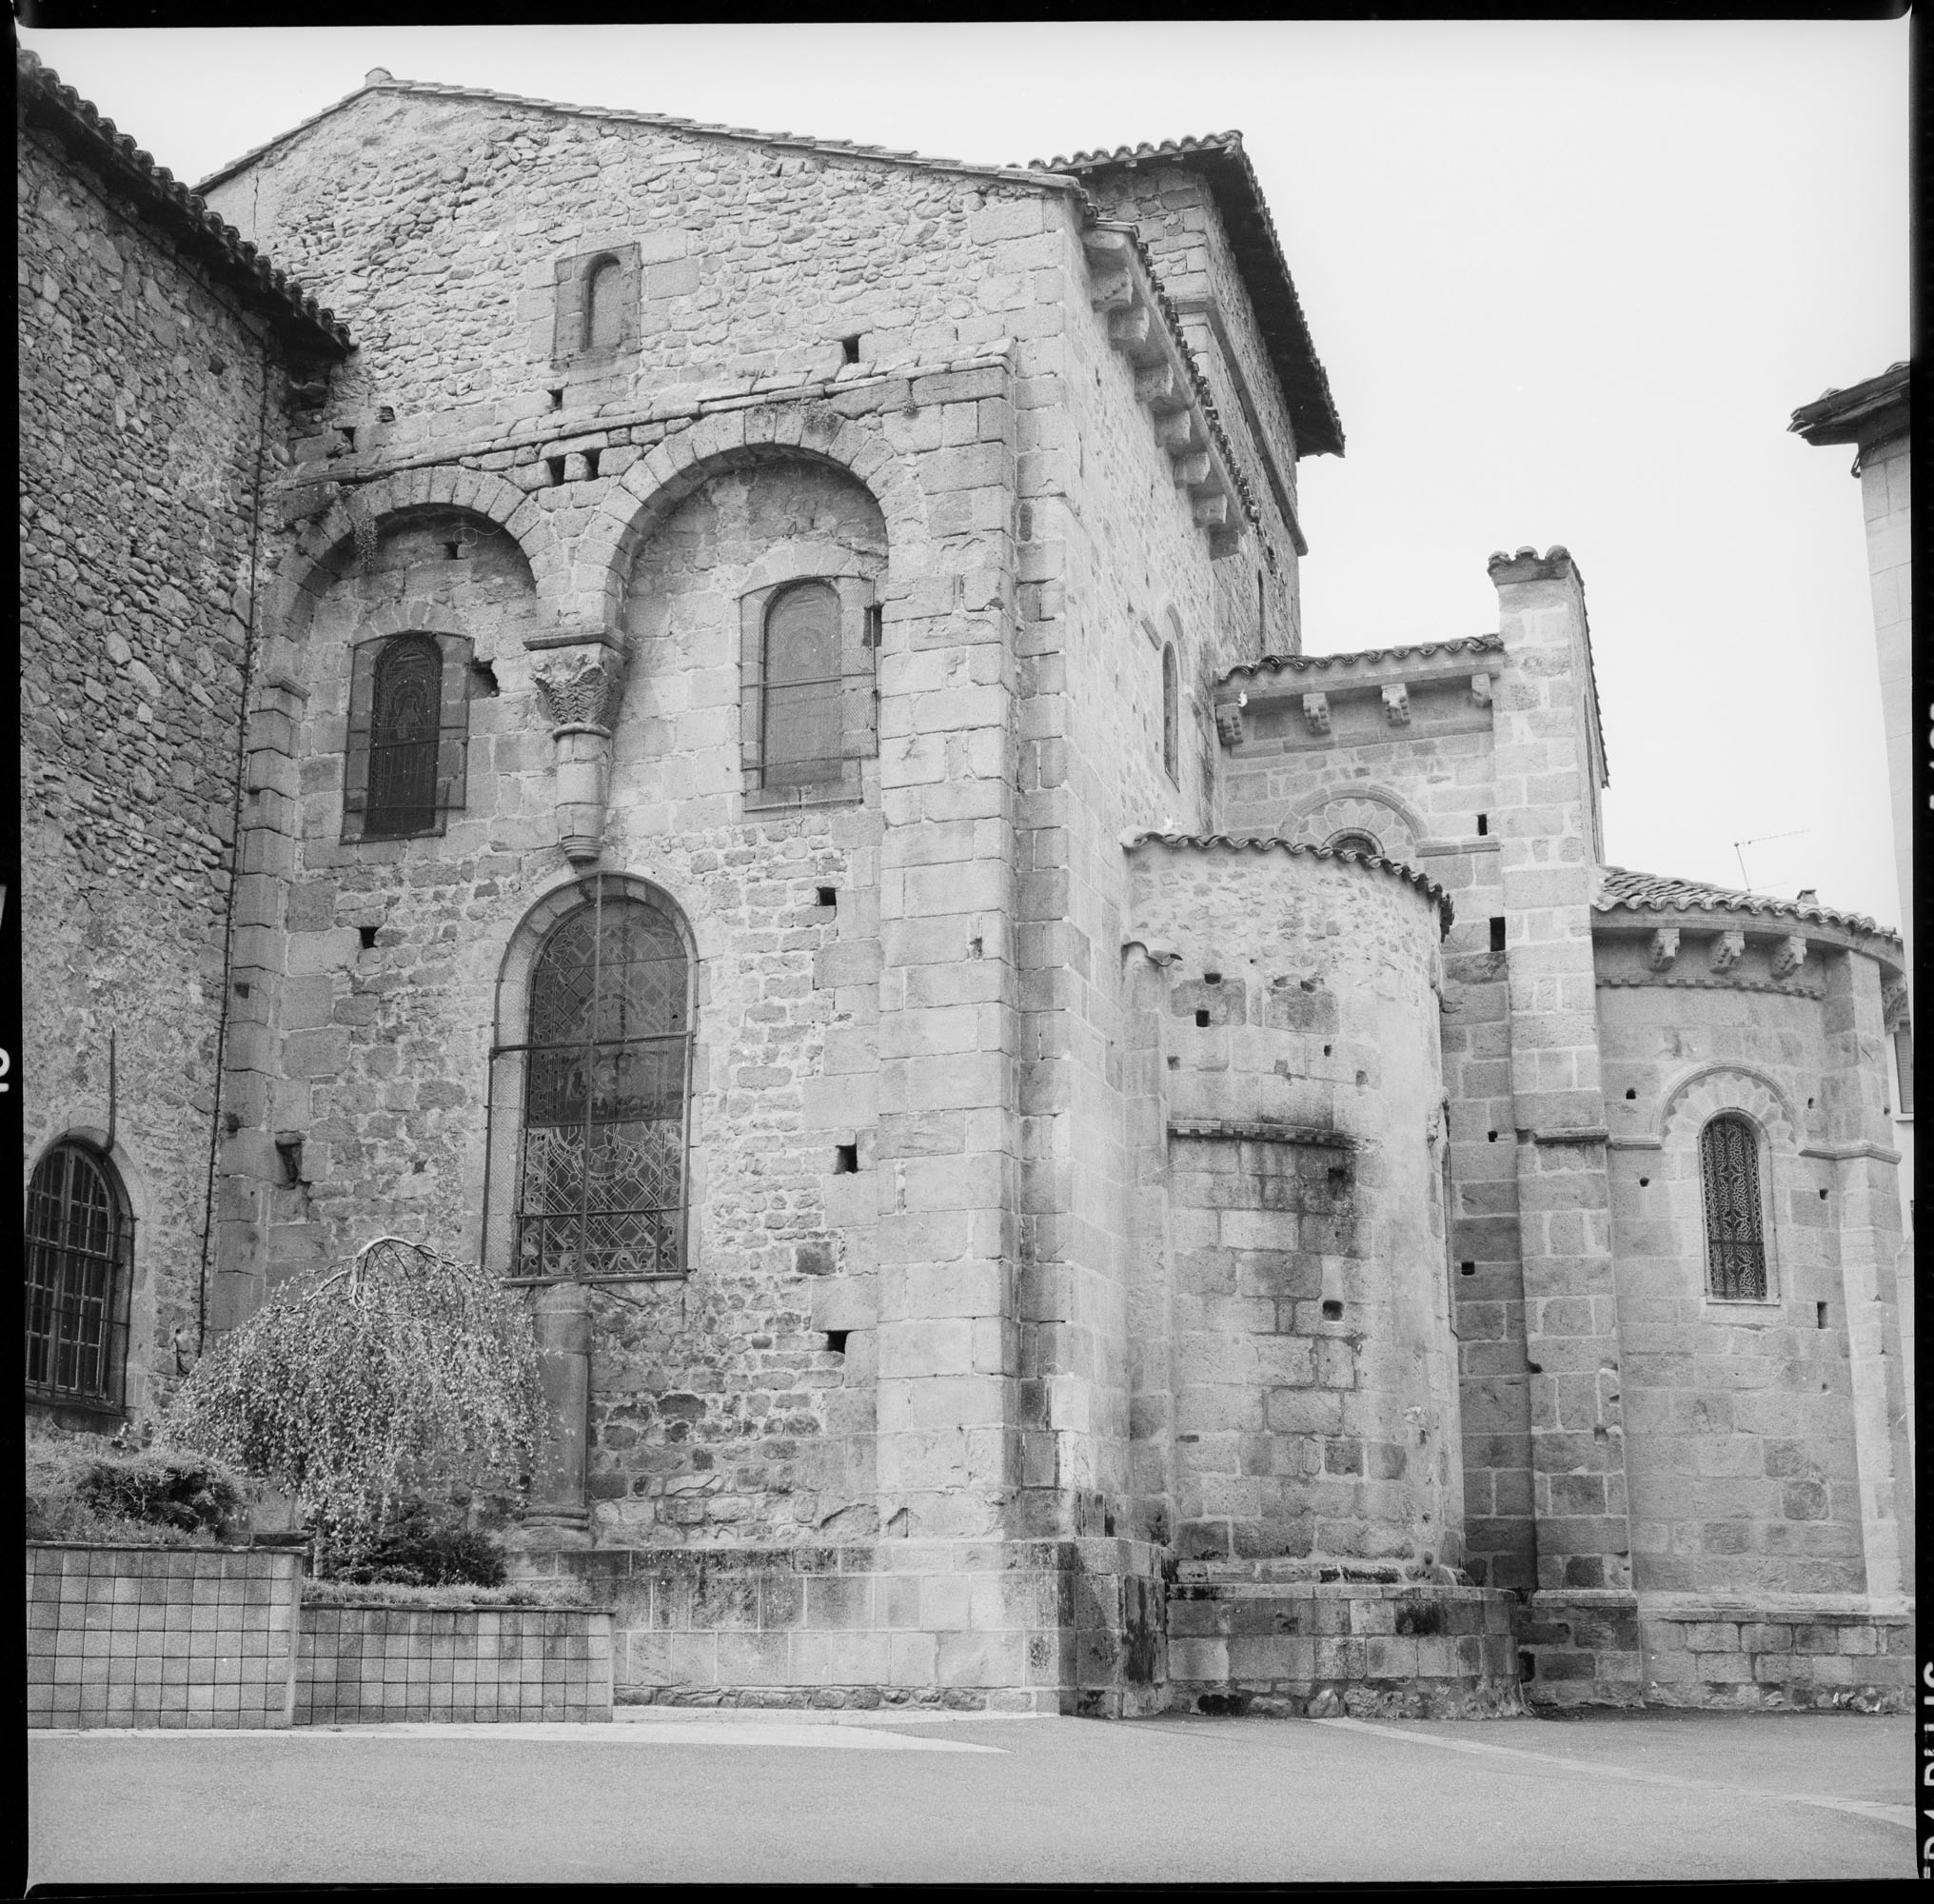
(1735, 1220)
(79, 1267)
(1354, 843)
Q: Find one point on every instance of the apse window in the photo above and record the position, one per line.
(1734, 1207)
(809, 712)
(409, 734)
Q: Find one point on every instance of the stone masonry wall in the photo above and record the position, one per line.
(142, 428)
(1312, 1362)
(1738, 1414)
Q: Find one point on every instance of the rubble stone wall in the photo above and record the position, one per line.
(144, 423)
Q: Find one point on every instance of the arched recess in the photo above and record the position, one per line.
(325, 551)
(658, 482)
(1705, 1090)
(1319, 817)
(510, 1033)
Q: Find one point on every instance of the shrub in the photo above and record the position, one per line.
(78, 1490)
(400, 1373)
(428, 1545)
(560, 1596)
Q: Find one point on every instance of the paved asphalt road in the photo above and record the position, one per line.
(765, 1798)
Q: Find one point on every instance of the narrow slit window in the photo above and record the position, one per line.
(1735, 1232)
(1171, 715)
(1497, 935)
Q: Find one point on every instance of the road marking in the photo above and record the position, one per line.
(790, 1734)
(1902, 1816)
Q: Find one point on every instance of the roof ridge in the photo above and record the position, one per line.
(255, 273)
(1451, 645)
(380, 81)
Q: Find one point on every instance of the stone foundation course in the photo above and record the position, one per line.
(1241, 1642)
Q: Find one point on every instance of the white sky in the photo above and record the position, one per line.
(1569, 280)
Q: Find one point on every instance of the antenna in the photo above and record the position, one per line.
(1761, 841)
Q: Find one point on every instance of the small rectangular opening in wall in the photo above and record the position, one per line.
(845, 1158)
(556, 465)
(1467, 1269)
(368, 935)
(1202, 1018)
(1497, 935)
(1332, 1312)
(836, 1340)
(288, 1149)
(1212, 978)
(453, 551)
(590, 463)
(1483, 824)
(1819, 1315)
(242, 990)
(849, 349)
(1490, 1137)
(875, 622)
(557, 398)
(826, 896)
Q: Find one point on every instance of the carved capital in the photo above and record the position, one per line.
(580, 683)
(1894, 1003)
(1664, 947)
(1788, 955)
(1728, 949)
(1229, 723)
(1316, 712)
(1396, 705)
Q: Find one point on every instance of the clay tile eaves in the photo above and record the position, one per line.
(1271, 842)
(1650, 892)
(1234, 186)
(1872, 411)
(379, 81)
(1299, 664)
(49, 106)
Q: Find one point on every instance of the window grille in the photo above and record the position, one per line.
(1735, 1236)
(408, 736)
(608, 1058)
(1171, 718)
(1903, 1069)
(79, 1262)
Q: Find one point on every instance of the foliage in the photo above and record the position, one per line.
(76, 1491)
(560, 1596)
(428, 1545)
(397, 1374)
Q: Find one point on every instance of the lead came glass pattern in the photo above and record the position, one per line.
(75, 1243)
(402, 738)
(803, 688)
(602, 1176)
(1735, 1240)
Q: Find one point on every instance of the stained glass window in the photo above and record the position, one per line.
(402, 738)
(1735, 1237)
(601, 1189)
(803, 742)
(78, 1237)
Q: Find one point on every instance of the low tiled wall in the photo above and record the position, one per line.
(357, 1665)
(1017, 1626)
(161, 1635)
(1240, 1641)
(1733, 1654)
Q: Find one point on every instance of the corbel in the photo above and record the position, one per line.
(1229, 720)
(1316, 712)
(1480, 689)
(1728, 949)
(1665, 948)
(1788, 955)
(1396, 705)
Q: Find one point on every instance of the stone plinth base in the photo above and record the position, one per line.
(1242, 1641)
(1581, 1648)
(1805, 1653)
(1067, 1626)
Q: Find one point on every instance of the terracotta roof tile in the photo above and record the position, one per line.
(1650, 892)
(56, 107)
(1874, 407)
(1303, 663)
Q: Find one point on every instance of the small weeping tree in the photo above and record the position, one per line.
(397, 1374)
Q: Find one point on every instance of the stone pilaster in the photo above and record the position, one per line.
(558, 1508)
(1866, 1199)
(1548, 769)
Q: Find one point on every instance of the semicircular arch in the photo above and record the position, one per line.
(1351, 808)
(1703, 1091)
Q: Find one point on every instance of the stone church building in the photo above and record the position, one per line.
(719, 722)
